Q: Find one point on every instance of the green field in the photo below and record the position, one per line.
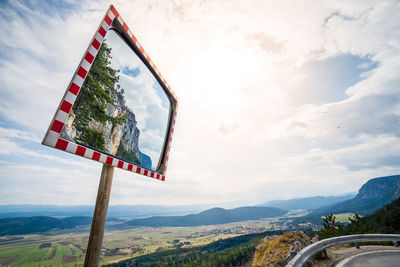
(36, 250)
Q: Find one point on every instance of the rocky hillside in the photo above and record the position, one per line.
(380, 188)
(279, 250)
(123, 139)
(373, 195)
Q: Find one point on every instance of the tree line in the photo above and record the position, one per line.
(385, 220)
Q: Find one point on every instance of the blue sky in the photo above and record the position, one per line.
(328, 79)
(277, 99)
(131, 72)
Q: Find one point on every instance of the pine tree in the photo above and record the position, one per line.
(331, 227)
(94, 98)
(357, 225)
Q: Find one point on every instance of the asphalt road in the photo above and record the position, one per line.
(381, 258)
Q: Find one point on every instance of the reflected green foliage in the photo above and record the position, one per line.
(93, 138)
(94, 97)
(126, 155)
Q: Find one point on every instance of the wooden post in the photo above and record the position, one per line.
(99, 217)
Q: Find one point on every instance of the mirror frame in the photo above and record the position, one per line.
(112, 19)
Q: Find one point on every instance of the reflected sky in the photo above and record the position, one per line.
(144, 96)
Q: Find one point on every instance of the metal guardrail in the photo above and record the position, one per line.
(306, 253)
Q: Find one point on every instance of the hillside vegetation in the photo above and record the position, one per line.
(37, 224)
(236, 251)
(41, 224)
(385, 220)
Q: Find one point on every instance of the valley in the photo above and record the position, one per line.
(229, 235)
(57, 248)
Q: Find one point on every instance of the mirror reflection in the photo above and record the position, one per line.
(121, 108)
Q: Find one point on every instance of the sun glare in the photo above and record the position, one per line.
(221, 69)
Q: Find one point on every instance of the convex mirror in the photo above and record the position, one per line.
(118, 109)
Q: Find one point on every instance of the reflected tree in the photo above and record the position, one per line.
(94, 98)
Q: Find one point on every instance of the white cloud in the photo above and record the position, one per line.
(12, 148)
(368, 153)
(34, 184)
(40, 52)
(14, 133)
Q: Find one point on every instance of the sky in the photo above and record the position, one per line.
(278, 99)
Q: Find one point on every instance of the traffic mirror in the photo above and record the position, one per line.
(118, 109)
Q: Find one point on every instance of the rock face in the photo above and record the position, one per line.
(274, 251)
(127, 135)
(120, 140)
(145, 160)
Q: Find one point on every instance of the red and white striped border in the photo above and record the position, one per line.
(52, 137)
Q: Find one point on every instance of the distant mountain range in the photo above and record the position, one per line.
(373, 195)
(307, 203)
(119, 211)
(41, 224)
(211, 216)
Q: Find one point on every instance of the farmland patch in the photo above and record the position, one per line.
(68, 259)
(52, 253)
(45, 245)
(8, 260)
